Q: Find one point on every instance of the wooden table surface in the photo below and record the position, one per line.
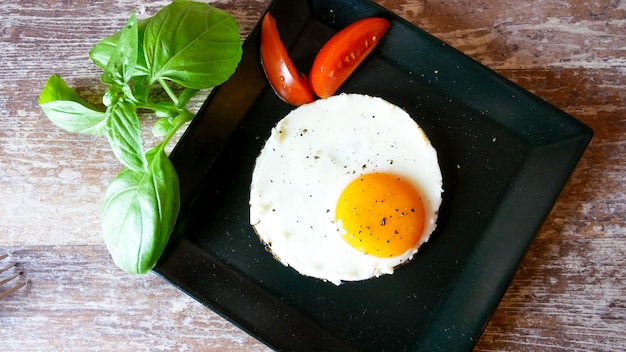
(569, 293)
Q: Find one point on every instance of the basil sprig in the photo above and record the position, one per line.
(185, 47)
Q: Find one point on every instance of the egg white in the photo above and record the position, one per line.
(311, 155)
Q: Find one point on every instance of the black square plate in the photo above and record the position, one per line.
(505, 155)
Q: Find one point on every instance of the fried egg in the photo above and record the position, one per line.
(345, 189)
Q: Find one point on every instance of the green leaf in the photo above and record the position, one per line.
(163, 127)
(168, 125)
(139, 213)
(101, 53)
(192, 44)
(123, 60)
(124, 134)
(68, 110)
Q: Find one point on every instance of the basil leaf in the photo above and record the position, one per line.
(139, 213)
(124, 134)
(168, 125)
(68, 110)
(192, 44)
(101, 53)
(123, 60)
(163, 127)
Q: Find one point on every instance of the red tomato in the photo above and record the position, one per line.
(279, 69)
(343, 53)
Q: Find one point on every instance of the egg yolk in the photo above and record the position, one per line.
(380, 214)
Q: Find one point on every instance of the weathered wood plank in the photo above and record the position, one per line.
(76, 300)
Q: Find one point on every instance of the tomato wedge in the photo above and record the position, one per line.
(279, 69)
(343, 53)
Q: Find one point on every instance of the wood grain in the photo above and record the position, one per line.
(568, 295)
(77, 301)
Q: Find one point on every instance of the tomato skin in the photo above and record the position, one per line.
(280, 71)
(343, 53)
